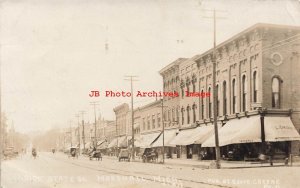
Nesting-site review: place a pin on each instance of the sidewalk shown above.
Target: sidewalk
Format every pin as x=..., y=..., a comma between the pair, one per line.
x=206, y=164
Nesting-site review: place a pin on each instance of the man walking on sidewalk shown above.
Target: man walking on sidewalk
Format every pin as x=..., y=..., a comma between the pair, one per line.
x=270, y=152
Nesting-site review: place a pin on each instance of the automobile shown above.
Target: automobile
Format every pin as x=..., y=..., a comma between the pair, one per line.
x=124, y=155
x=73, y=152
x=149, y=154
x=95, y=154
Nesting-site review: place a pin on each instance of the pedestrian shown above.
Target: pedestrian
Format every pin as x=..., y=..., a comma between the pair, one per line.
x=270, y=152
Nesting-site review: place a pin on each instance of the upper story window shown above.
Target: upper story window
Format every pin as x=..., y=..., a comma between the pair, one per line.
x=244, y=93
x=202, y=106
x=153, y=121
x=194, y=80
x=144, y=124
x=209, y=104
x=182, y=116
x=158, y=120
x=188, y=83
x=224, y=98
x=275, y=92
x=188, y=108
x=218, y=101
x=148, y=123
x=233, y=96
x=255, y=86
x=194, y=107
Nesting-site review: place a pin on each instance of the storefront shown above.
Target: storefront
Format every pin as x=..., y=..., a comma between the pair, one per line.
x=170, y=150
x=188, y=141
x=247, y=137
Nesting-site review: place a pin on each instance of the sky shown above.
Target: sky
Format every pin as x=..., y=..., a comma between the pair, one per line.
x=53, y=53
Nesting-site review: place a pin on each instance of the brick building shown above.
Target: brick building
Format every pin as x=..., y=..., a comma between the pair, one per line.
x=256, y=73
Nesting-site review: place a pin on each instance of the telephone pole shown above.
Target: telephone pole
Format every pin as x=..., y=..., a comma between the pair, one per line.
x=131, y=79
x=83, y=135
x=95, y=138
x=163, y=128
x=215, y=104
x=78, y=124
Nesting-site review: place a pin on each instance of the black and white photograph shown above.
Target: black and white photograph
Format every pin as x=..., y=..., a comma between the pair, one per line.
x=149, y=93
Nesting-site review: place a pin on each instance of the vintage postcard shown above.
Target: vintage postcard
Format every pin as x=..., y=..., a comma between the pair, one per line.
x=149, y=93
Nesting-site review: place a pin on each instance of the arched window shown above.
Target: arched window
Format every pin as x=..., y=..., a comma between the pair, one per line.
x=194, y=112
x=194, y=80
x=209, y=104
x=244, y=93
x=202, y=105
x=182, y=88
x=182, y=116
x=275, y=92
x=218, y=101
x=233, y=96
x=177, y=115
x=188, y=83
x=173, y=115
x=188, y=108
x=224, y=98
x=254, y=86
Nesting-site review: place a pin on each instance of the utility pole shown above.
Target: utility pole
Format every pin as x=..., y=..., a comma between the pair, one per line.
x=95, y=138
x=215, y=104
x=131, y=79
x=83, y=135
x=117, y=134
x=78, y=124
x=163, y=127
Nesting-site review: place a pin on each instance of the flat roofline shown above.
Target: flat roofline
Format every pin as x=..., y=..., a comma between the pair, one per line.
x=253, y=27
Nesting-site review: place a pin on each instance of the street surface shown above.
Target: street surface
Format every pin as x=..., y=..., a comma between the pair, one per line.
x=58, y=170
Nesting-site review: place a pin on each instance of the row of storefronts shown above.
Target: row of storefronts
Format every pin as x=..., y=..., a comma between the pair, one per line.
x=241, y=138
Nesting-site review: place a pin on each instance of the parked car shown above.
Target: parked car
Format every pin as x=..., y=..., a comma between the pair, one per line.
x=149, y=154
x=124, y=155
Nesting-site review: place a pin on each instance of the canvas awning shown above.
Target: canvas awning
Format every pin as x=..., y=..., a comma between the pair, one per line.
x=248, y=130
x=122, y=141
x=235, y=131
x=280, y=129
x=88, y=145
x=146, y=140
x=193, y=136
x=113, y=143
x=182, y=137
x=103, y=145
x=100, y=142
x=168, y=136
